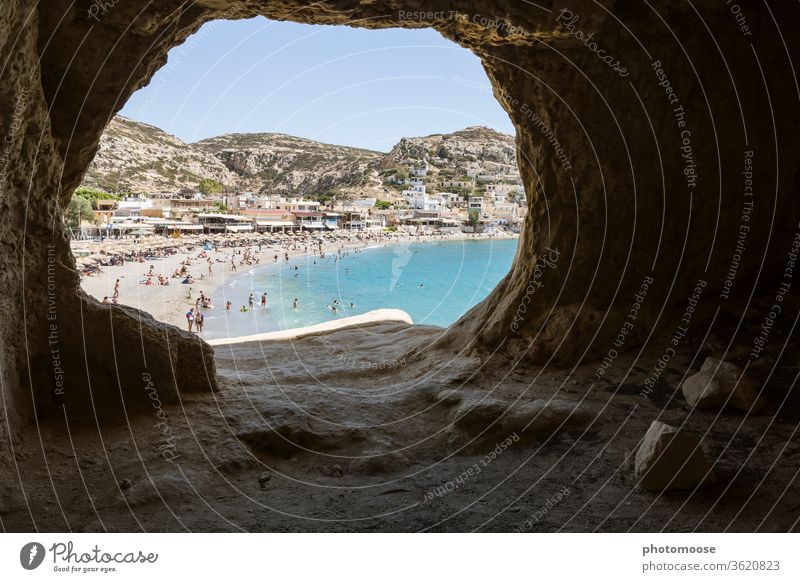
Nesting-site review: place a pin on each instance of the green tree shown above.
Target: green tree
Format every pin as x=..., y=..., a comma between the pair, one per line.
x=93, y=195
x=209, y=186
x=474, y=217
x=326, y=196
x=383, y=204
x=78, y=210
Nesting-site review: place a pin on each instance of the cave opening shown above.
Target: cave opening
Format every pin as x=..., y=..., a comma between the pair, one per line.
x=216, y=185
x=537, y=370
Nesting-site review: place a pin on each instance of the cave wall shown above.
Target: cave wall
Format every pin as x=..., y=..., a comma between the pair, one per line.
x=613, y=203
x=653, y=191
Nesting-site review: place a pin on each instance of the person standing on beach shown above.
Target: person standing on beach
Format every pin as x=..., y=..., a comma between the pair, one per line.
x=251, y=301
x=198, y=320
x=264, y=301
x=228, y=306
x=294, y=306
x=190, y=318
x=116, y=289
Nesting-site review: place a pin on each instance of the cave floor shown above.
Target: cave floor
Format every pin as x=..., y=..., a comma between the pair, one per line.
x=340, y=432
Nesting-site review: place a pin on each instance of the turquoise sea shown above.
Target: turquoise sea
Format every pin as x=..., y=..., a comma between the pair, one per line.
x=434, y=282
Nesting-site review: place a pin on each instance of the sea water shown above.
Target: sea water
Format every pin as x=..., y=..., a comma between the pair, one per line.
x=434, y=282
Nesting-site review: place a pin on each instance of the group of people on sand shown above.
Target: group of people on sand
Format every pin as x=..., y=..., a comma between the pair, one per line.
x=115, y=296
x=237, y=252
x=195, y=317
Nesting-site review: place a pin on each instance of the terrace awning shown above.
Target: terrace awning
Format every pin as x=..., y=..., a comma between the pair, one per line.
x=184, y=226
x=132, y=226
x=280, y=223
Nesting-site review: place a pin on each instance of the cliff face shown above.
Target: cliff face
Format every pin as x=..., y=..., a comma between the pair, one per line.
x=141, y=158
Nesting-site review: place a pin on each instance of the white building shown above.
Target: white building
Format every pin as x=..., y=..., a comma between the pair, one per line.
x=298, y=205
x=502, y=191
x=268, y=202
x=451, y=200
x=476, y=203
x=425, y=202
x=506, y=212
x=456, y=183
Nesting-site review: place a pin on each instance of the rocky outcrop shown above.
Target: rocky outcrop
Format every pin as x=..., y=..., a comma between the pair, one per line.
x=490, y=151
x=720, y=384
x=671, y=458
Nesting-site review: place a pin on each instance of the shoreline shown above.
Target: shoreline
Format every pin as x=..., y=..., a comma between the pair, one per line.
x=376, y=316
x=169, y=303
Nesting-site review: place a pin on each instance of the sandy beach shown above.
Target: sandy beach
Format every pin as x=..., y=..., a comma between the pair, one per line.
x=170, y=302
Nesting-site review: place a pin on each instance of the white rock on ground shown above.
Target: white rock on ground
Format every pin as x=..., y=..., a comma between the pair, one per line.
x=671, y=458
x=719, y=384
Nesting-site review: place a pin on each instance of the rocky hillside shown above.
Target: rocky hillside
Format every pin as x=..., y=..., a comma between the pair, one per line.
x=143, y=158
x=490, y=150
x=280, y=163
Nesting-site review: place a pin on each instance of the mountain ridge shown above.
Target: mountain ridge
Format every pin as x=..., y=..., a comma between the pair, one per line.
x=141, y=158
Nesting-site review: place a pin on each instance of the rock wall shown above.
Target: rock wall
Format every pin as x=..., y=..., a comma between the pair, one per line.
x=631, y=143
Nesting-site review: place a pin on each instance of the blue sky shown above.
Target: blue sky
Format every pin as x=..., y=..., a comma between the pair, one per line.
x=339, y=85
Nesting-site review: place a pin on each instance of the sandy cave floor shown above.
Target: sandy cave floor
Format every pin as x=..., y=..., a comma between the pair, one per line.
x=338, y=432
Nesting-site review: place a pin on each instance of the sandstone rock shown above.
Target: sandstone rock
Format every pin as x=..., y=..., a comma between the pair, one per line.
x=719, y=384
x=496, y=418
x=390, y=463
x=169, y=489
x=231, y=457
x=334, y=471
x=670, y=458
x=285, y=431
x=449, y=397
